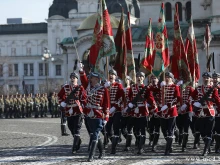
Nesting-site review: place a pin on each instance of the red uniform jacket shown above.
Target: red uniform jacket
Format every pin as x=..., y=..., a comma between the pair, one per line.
x=187, y=99
x=116, y=96
x=147, y=97
x=155, y=89
x=172, y=97
x=207, y=109
x=126, y=101
x=96, y=100
x=74, y=104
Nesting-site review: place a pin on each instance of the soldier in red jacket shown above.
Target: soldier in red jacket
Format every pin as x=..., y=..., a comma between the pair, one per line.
x=72, y=109
x=170, y=96
x=204, y=96
x=116, y=103
x=154, y=123
x=96, y=107
x=139, y=112
x=216, y=80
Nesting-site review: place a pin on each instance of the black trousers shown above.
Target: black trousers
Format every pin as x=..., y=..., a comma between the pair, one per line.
x=115, y=122
x=124, y=121
x=192, y=124
x=217, y=125
x=183, y=123
x=139, y=125
x=167, y=126
x=74, y=124
x=206, y=126
x=154, y=125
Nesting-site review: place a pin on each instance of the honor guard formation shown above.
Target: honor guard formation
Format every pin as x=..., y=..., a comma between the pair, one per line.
x=128, y=110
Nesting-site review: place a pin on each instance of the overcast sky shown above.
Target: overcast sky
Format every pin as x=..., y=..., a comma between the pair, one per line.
x=34, y=10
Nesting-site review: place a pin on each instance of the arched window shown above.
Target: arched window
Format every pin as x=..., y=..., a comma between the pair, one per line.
x=180, y=10
x=188, y=11
x=168, y=11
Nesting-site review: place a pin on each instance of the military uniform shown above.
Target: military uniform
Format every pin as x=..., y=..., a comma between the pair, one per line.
x=30, y=103
x=7, y=106
x=53, y=106
x=2, y=106
x=18, y=105
x=42, y=105
x=24, y=107
x=37, y=105
x=97, y=105
x=205, y=111
x=46, y=105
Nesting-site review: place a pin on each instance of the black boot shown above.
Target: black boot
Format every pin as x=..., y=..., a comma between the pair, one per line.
x=155, y=141
x=151, y=138
x=180, y=139
x=101, y=149
x=76, y=142
x=217, y=143
x=196, y=140
x=120, y=139
x=185, y=139
x=168, y=145
x=141, y=145
x=106, y=141
x=90, y=141
x=207, y=146
x=137, y=137
x=128, y=142
x=114, y=144
x=176, y=134
x=92, y=150
x=63, y=131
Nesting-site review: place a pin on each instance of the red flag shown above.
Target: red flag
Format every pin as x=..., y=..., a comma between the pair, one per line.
x=192, y=54
x=148, y=61
x=130, y=55
x=179, y=62
x=121, y=48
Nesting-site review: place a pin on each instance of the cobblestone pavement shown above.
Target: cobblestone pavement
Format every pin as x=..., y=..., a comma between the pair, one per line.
x=38, y=142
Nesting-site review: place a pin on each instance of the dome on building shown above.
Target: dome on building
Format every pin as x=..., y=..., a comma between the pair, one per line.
x=89, y=22
x=62, y=7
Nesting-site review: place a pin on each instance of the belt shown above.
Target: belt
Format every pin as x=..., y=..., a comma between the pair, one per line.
x=140, y=105
x=93, y=107
x=73, y=105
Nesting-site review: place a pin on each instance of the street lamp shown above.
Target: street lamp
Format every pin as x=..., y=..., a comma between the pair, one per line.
x=46, y=57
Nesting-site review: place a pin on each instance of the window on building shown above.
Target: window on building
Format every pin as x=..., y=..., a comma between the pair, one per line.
x=168, y=12
x=180, y=10
x=13, y=51
x=1, y=70
x=188, y=11
x=10, y=70
x=58, y=70
x=25, y=69
x=28, y=51
x=31, y=69
x=41, y=69
x=15, y=69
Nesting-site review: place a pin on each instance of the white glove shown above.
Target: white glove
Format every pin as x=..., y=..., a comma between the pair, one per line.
x=164, y=108
x=147, y=105
x=136, y=110
x=130, y=105
x=71, y=111
x=107, y=84
x=183, y=107
x=180, y=83
x=80, y=66
x=91, y=113
x=63, y=104
x=104, y=122
x=197, y=104
x=112, y=110
x=191, y=114
x=125, y=110
x=163, y=83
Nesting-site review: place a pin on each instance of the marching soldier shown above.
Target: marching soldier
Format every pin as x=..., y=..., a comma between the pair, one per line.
x=2, y=106
x=204, y=96
x=154, y=123
x=24, y=107
x=72, y=108
x=116, y=100
x=37, y=105
x=216, y=80
x=57, y=114
x=53, y=105
x=46, y=104
x=30, y=102
x=139, y=113
x=96, y=108
x=11, y=110
x=18, y=105
x=170, y=96
x=42, y=104
x=7, y=106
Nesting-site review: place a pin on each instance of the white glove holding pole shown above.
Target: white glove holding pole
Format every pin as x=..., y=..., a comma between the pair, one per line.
x=107, y=84
x=191, y=114
x=80, y=66
x=164, y=108
x=104, y=122
x=180, y=83
x=112, y=110
x=163, y=83
x=183, y=107
x=63, y=104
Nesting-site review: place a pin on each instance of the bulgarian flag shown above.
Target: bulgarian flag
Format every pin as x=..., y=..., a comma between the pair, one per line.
x=192, y=54
x=179, y=62
x=148, y=60
x=121, y=48
x=130, y=56
x=161, y=61
x=104, y=39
